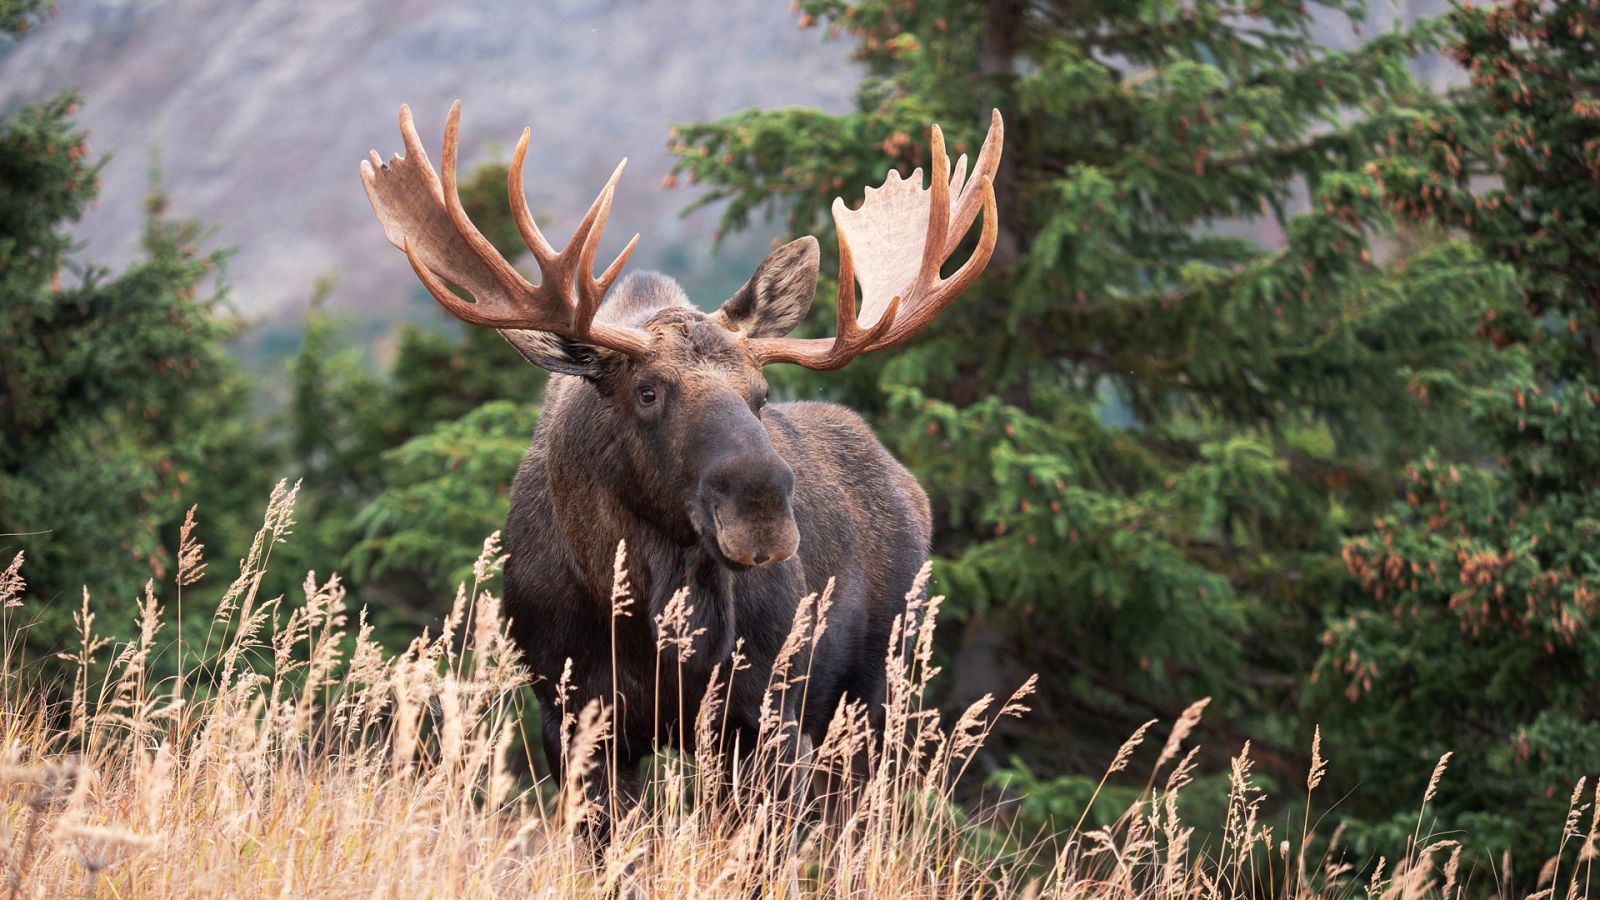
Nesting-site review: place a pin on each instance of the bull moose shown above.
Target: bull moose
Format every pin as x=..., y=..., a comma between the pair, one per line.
x=656, y=431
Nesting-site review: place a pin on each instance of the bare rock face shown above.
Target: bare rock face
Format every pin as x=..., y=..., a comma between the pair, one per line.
x=258, y=113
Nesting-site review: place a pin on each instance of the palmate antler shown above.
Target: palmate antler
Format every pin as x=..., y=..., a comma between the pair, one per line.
x=425, y=219
x=895, y=244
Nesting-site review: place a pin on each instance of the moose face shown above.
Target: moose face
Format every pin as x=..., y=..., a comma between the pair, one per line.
x=684, y=418
x=693, y=406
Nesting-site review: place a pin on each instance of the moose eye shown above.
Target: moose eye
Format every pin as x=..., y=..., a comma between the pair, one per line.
x=647, y=395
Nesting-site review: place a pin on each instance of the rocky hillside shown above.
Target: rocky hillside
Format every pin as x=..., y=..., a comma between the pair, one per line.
x=258, y=113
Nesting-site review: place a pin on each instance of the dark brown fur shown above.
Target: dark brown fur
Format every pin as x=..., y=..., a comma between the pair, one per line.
x=704, y=473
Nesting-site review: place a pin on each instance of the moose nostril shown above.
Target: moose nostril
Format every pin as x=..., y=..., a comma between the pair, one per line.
x=761, y=558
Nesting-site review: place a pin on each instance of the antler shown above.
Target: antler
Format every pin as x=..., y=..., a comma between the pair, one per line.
x=425, y=219
x=902, y=233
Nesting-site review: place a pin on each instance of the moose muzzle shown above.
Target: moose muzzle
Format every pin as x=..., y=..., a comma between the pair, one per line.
x=747, y=496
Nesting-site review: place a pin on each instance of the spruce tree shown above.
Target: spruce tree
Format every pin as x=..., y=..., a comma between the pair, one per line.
x=1477, y=632
x=117, y=408
x=1188, y=374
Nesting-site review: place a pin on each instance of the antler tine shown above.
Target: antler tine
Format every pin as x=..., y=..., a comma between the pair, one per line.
x=933, y=252
x=543, y=253
x=845, y=322
x=970, y=270
x=599, y=210
x=584, y=243
x=592, y=290
x=591, y=230
x=510, y=279
x=409, y=137
x=958, y=182
x=968, y=199
x=611, y=272
x=603, y=283
x=899, y=266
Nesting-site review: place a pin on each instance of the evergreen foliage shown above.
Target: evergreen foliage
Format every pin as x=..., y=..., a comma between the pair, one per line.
x=445, y=490
x=1194, y=365
x=120, y=409
x=1482, y=583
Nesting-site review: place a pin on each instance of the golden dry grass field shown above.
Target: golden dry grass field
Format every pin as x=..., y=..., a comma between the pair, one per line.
x=294, y=757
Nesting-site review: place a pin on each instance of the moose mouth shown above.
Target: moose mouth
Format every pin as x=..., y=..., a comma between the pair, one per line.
x=733, y=557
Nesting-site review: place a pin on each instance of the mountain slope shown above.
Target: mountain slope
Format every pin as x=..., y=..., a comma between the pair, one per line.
x=260, y=111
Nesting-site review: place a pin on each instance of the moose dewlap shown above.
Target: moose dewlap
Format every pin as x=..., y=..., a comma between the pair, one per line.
x=658, y=433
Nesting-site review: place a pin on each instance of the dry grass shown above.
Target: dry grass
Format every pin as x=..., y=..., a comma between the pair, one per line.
x=293, y=756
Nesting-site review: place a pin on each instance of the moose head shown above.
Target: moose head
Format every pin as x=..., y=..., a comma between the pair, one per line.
x=677, y=394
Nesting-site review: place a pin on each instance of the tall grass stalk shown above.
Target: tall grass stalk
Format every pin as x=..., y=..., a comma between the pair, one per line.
x=298, y=757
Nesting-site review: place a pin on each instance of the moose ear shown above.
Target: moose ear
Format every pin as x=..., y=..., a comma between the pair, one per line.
x=778, y=295
x=561, y=355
